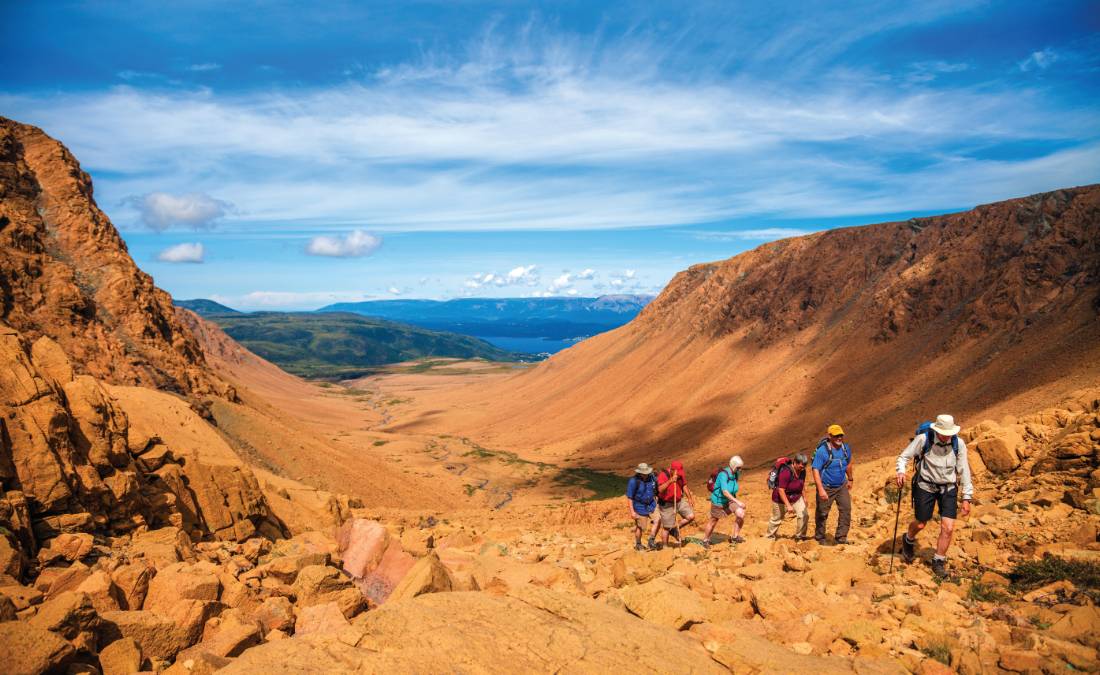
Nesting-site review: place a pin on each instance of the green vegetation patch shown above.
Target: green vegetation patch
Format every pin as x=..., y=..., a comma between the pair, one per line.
x=1083, y=574
x=940, y=651
x=980, y=592
x=602, y=484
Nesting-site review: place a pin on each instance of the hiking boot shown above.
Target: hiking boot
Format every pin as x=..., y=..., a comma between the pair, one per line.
x=737, y=540
x=908, y=549
x=841, y=541
x=638, y=546
x=652, y=544
x=705, y=544
x=674, y=533
x=939, y=568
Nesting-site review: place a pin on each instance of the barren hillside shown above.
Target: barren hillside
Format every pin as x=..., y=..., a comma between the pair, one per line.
x=992, y=311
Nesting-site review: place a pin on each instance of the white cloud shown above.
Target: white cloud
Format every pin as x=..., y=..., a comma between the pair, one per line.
x=291, y=299
x=572, y=291
x=394, y=290
x=161, y=210
x=636, y=142
x=587, y=274
x=204, y=67
x=1040, y=60
x=355, y=245
x=522, y=275
x=629, y=274
x=563, y=281
x=182, y=253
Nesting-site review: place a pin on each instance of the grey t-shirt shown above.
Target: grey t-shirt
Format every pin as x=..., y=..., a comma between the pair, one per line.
x=940, y=467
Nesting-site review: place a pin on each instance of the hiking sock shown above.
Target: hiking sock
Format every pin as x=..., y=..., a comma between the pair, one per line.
x=941, y=558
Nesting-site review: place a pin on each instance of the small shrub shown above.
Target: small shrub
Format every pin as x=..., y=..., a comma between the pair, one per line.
x=940, y=651
x=1083, y=574
x=980, y=592
x=380, y=443
x=1039, y=623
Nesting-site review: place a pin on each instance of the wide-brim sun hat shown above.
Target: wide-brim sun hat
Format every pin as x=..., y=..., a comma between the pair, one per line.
x=945, y=424
x=644, y=469
x=736, y=462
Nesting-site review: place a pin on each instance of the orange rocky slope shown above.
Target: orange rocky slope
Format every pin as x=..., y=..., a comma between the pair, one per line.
x=991, y=311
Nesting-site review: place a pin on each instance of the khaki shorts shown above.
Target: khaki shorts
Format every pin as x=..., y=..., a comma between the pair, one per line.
x=646, y=522
x=719, y=512
x=668, y=514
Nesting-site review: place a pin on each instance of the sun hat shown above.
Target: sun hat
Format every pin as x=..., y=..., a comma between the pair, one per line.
x=945, y=424
x=836, y=430
x=736, y=463
x=644, y=469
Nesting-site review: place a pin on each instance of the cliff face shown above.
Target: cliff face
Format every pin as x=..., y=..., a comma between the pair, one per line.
x=990, y=311
x=65, y=273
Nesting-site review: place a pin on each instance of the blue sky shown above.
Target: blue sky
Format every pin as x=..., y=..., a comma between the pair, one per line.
x=275, y=155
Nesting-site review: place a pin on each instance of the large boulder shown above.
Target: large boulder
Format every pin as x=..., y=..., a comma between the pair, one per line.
x=72, y=616
x=535, y=630
x=161, y=634
x=121, y=657
x=664, y=603
x=29, y=650
x=372, y=557
x=428, y=575
x=318, y=584
x=999, y=450
x=183, y=581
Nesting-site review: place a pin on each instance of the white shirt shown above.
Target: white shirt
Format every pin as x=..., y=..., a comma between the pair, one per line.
x=940, y=467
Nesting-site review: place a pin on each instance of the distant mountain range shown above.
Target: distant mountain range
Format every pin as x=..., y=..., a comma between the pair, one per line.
x=561, y=318
x=204, y=307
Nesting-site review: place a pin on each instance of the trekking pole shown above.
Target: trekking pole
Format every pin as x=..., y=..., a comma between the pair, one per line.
x=894, y=541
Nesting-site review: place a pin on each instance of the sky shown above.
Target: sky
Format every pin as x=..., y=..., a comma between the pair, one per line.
x=277, y=155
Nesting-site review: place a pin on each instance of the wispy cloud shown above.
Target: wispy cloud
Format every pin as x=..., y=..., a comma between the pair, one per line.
x=759, y=234
x=204, y=67
x=522, y=275
x=462, y=142
x=183, y=253
x=1040, y=60
x=357, y=244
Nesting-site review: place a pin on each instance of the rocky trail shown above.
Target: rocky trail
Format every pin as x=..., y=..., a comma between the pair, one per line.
x=560, y=588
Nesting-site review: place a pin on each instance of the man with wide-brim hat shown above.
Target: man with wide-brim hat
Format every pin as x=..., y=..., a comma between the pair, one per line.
x=941, y=471
x=641, y=493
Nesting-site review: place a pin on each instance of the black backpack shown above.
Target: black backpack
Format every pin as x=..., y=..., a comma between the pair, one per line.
x=925, y=429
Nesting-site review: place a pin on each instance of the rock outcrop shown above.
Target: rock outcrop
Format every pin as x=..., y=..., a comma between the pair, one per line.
x=65, y=273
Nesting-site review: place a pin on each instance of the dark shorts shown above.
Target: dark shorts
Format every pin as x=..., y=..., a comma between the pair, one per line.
x=924, y=503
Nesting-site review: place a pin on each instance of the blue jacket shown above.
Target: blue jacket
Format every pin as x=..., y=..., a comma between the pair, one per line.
x=643, y=493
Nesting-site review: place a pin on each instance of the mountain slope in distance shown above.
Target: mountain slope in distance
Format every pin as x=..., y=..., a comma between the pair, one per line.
x=204, y=307
x=989, y=311
x=340, y=345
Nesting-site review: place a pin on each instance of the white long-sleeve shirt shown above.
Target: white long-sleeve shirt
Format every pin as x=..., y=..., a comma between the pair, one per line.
x=940, y=467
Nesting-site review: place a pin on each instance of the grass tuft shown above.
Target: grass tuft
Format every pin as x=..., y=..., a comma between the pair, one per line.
x=940, y=651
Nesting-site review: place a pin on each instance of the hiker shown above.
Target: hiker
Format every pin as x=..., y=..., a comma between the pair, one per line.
x=941, y=467
x=787, y=497
x=724, y=501
x=833, y=475
x=641, y=492
x=674, y=499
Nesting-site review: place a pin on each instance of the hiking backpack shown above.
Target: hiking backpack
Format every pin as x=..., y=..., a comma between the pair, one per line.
x=713, y=480
x=773, y=475
x=925, y=429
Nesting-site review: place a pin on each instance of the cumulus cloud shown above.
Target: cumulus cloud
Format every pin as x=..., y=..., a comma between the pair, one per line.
x=394, y=290
x=161, y=210
x=357, y=244
x=563, y=281
x=522, y=275
x=182, y=253
x=587, y=274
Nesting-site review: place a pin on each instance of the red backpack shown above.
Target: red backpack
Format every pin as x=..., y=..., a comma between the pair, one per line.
x=773, y=475
x=713, y=480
